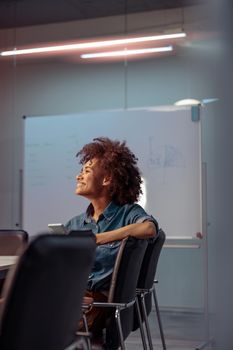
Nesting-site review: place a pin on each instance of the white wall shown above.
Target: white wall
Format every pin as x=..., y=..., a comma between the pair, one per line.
x=58, y=86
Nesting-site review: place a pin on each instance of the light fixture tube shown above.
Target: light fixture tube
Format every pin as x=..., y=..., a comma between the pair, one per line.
x=126, y=52
x=93, y=44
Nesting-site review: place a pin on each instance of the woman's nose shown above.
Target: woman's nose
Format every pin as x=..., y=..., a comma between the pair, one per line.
x=79, y=176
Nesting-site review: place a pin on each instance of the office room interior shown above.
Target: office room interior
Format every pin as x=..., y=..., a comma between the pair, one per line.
x=195, y=276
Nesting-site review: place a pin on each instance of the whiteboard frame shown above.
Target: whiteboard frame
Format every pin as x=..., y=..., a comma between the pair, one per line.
x=184, y=241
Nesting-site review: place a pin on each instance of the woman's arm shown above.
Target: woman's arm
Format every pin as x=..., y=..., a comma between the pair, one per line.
x=142, y=230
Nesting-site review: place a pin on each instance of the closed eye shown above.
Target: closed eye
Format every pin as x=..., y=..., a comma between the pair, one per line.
x=87, y=170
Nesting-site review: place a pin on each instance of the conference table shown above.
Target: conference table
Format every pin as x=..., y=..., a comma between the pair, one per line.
x=6, y=261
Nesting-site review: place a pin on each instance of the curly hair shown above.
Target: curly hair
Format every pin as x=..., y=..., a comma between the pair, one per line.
x=117, y=160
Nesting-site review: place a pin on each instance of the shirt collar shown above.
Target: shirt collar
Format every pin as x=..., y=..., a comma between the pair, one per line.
x=87, y=215
x=108, y=212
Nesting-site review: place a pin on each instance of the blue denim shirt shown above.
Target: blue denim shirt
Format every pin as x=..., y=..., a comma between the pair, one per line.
x=113, y=217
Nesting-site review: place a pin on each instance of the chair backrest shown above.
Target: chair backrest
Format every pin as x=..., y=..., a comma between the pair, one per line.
x=82, y=233
x=148, y=270
x=12, y=241
x=150, y=261
x=123, y=286
x=43, y=303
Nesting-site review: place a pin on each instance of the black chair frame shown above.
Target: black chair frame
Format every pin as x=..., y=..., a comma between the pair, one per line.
x=122, y=295
x=146, y=286
x=43, y=300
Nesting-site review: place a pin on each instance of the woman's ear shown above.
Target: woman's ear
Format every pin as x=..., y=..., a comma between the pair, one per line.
x=107, y=180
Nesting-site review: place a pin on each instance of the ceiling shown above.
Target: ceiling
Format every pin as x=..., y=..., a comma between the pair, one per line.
x=18, y=13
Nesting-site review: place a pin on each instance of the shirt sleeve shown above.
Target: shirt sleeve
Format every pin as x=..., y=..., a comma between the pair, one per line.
x=74, y=224
x=68, y=225
x=138, y=215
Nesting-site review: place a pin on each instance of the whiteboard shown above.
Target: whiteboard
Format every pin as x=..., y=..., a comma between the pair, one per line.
x=165, y=140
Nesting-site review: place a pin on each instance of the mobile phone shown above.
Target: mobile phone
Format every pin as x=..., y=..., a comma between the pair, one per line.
x=58, y=228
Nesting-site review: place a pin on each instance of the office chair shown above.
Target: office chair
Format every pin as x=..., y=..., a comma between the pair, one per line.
x=12, y=241
x=122, y=293
x=87, y=302
x=43, y=300
x=82, y=233
x=146, y=286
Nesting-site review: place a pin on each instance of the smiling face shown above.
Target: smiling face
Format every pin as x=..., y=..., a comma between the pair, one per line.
x=91, y=182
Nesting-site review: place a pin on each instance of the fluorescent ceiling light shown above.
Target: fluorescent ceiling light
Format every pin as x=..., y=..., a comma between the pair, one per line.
x=126, y=52
x=93, y=44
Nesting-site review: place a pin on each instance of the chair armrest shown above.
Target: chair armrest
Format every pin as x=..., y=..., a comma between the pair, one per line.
x=107, y=304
